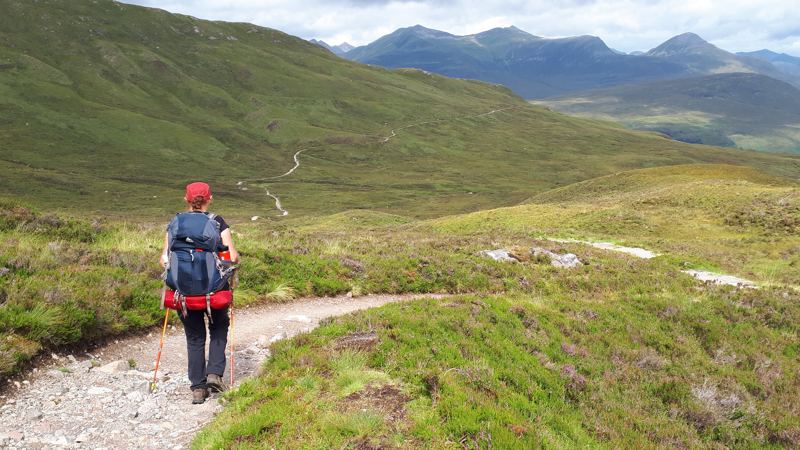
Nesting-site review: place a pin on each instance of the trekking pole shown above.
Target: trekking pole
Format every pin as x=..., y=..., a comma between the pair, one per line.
x=232, y=346
x=160, y=347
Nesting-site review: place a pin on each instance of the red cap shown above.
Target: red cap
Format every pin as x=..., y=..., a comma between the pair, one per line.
x=198, y=189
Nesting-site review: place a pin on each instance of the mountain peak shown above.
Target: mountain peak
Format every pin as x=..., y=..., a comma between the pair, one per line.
x=688, y=38
x=680, y=44
x=421, y=31
x=502, y=35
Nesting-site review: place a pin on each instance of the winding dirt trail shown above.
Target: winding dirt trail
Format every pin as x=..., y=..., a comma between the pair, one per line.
x=383, y=140
x=98, y=401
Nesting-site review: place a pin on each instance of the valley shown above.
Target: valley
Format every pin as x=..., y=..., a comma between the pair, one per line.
x=426, y=262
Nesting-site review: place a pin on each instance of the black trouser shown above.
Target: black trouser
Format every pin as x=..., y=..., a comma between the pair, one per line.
x=194, y=324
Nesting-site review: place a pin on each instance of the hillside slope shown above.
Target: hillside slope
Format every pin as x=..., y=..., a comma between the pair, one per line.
x=618, y=352
x=736, y=109
x=787, y=64
x=109, y=107
x=728, y=219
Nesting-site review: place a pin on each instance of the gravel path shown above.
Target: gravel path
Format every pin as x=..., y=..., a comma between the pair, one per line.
x=98, y=401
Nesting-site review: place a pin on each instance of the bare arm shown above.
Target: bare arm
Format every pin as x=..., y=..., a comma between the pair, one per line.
x=227, y=240
x=165, y=251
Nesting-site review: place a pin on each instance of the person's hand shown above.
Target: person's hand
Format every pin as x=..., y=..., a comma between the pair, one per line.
x=164, y=261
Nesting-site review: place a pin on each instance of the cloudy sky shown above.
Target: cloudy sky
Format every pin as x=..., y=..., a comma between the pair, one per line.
x=624, y=24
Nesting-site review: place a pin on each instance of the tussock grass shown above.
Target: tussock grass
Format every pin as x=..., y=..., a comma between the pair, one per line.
x=59, y=286
x=716, y=217
x=659, y=363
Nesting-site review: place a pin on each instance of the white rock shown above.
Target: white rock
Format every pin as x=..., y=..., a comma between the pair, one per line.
x=135, y=396
x=254, y=218
x=142, y=386
x=299, y=318
x=633, y=251
x=117, y=366
x=716, y=278
x=98, y=390
x=565, y=261
x=278, y=337
x=500, y=254
x=263, y=341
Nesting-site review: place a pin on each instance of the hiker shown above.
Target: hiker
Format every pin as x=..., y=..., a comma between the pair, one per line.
x=180, y=258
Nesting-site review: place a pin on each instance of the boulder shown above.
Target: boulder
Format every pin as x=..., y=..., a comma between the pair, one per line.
x=117, y=366
x=500, y=254
x=278, y=337
x=562, y=261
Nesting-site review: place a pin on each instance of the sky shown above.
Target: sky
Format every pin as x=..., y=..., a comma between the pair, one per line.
x=625, y=25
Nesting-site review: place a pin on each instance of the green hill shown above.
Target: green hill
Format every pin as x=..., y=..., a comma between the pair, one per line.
x=737, y=109
x=108, y=107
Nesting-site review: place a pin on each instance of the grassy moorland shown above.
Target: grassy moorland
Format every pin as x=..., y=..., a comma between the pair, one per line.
x=619, y=352
x=744, y=110
x=67, y=281
x=103, y=105
x=722, y=218
x=637, y=358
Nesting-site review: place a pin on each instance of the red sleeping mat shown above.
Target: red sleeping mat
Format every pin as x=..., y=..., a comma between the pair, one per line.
x=219, y=300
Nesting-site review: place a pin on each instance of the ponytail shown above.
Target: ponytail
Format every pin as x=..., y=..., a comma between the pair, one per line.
x=198, y=202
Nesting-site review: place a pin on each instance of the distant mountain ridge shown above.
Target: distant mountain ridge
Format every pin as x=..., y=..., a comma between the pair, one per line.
x=340, y=49
x=532, y=66
x=783, y=62
x=537, y=67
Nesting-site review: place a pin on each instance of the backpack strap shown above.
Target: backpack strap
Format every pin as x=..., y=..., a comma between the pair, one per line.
x=208, y=308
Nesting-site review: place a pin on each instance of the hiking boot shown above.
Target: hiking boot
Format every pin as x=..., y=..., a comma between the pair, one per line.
x=199, y=396
x=215, y=384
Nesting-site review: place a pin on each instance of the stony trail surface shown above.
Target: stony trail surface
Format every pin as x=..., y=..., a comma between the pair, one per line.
x=98, y=401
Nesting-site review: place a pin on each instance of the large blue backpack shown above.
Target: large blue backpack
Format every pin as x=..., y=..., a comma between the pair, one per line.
x=194, y=267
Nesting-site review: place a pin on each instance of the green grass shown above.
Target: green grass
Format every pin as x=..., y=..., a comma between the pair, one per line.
x=650, y=361
x=742, y=110
x=72, y=281
x=723, y=218
x=617, y=353
x=105, y=106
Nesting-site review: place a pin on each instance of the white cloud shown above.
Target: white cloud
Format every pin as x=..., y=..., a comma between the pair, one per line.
x=624, y=24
